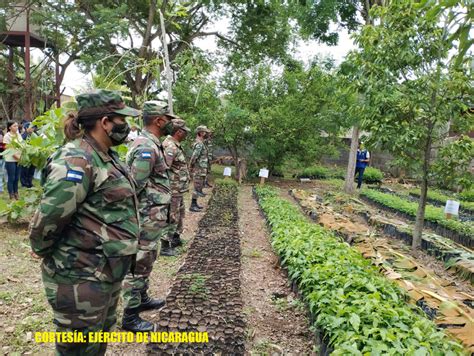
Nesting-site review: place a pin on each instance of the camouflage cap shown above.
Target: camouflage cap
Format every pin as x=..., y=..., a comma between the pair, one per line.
x=180, y=124
x=102, y=102
x=202, y=128
x=157, y=108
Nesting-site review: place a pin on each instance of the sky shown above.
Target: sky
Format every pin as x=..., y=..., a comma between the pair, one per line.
x=75, y=80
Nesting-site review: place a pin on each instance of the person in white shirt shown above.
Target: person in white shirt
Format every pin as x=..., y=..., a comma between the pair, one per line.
x=133, y=134
x=12, y=158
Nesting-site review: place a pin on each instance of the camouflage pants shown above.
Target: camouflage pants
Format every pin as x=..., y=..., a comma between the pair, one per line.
x=155, y=226
x=84, y=306
x=198, y=181
x=177, y=213
x=208, y=175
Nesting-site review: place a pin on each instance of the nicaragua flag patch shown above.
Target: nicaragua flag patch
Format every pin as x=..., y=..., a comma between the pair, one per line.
x=146, y=155
x=74, y=176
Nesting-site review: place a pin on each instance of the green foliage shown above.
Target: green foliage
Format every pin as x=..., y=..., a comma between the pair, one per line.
x=467, y=195
x=49, y=136
x=270, y=118
x=322, y=172
x=452, y=168
x=226, y=186
x=373, y=175
x=35, y=151
x=226, y=182
x=433, y=214
x=360, y=311
x=442, y=198
x=316, y=17
x=399, y=59
x=315, y=172
x=21, y=210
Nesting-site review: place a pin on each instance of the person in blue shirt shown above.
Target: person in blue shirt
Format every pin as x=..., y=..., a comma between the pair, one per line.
x=363, y=157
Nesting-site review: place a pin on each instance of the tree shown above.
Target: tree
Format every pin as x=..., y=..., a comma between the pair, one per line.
x=315, y=19
x=414, y=87
x=271, y=117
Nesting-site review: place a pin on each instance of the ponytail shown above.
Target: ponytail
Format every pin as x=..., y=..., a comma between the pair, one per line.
x=72, y=129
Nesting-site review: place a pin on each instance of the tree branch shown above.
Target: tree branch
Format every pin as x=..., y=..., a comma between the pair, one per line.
x=217, y=34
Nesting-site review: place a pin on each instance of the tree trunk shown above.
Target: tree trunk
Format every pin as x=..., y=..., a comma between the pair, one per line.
x=235, y=156
x=349, y=182
x=11, y=85
x=420, y=214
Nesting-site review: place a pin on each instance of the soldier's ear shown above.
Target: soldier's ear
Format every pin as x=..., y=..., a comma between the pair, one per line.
x=105, y=123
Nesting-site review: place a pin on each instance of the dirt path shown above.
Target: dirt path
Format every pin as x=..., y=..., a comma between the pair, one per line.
x=276, y=319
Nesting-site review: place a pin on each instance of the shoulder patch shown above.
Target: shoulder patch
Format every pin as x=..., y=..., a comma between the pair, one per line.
x=146, y=155
x=74, y=176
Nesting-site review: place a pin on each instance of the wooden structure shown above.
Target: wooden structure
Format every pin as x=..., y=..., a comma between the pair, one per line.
x=22, y=33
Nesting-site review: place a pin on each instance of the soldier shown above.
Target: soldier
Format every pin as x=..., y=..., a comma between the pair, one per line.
x=86, y=226
x=148, y=166
x=179, y=176
x=198, y=166
x=210, y=156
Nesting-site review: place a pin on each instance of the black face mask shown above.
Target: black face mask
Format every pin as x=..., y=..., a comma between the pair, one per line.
x=119, y=133
x=167, y=129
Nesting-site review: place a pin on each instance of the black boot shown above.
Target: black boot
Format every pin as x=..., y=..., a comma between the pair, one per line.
x=148, y=303
x=131, y=321
x=166, y=249
x=194, y=206
x=176, y=240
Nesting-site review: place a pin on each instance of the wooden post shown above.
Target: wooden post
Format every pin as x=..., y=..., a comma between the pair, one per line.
x=166, y=59
x=262, y=180
x=28, y=98
x=57, y=88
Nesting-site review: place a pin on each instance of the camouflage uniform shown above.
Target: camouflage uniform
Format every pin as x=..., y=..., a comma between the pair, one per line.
x=179, y=176
x=86, y=229
x=209, y=164
x=199, y=163
x=148, y=166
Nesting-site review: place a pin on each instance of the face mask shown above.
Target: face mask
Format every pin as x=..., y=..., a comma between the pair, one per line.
x=167, y=129
x=119, y=133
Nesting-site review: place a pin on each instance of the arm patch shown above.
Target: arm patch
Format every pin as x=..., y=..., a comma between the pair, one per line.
x=74, y=176
x=145, y=155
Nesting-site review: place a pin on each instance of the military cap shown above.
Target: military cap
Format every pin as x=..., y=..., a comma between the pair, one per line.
x=157, y=108
x=180, y=124
x=102, y=102
x=202, y=128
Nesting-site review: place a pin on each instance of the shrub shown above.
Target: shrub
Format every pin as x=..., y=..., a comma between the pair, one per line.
x=373, y=175
x=359, y=311
x=315, y=172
